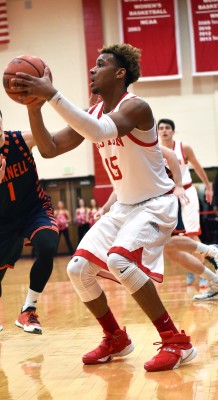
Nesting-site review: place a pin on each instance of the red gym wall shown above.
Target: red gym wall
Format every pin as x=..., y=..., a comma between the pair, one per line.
x=94, y=41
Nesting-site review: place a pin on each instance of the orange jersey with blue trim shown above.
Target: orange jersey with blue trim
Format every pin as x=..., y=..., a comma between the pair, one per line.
x=20, y=191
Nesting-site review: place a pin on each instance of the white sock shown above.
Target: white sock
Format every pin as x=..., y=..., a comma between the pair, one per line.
x=209, y=275
x=201, y=248
x=31, y=299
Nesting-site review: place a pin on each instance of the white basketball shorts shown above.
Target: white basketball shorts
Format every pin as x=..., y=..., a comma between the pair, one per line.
x=190, y=213
x=137, y=232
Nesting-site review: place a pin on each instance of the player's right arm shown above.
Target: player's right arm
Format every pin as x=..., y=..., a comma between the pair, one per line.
x=191, y=157
x=52, y=145
x=2, y=135
x=2, y=138
x=173, y=164
x=2, y=167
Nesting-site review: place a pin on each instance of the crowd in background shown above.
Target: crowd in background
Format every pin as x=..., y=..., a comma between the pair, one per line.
x=84, y=218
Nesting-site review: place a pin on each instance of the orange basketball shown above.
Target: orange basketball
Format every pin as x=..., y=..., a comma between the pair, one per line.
x=30, y=65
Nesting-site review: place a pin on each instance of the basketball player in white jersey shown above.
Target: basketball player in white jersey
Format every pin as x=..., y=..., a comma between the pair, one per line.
x=186, y=156
x=128, y=241
x=181, y=249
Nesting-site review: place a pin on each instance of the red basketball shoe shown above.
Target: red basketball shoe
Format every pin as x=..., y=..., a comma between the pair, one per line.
x=117, y=344
x=175, y=349
x=28, y=321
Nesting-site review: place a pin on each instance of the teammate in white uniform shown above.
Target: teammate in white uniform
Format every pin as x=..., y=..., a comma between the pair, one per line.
x=185, y=155
x=128, y=241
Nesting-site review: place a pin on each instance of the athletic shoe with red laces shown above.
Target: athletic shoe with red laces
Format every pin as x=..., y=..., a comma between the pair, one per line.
x=117, y=344
x=175, y=349
x=28, y=321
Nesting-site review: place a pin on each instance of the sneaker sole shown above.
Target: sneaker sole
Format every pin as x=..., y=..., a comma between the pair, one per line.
x=186, y=359
x=99, y=361
x=35, y=330
x=213, y=297
x=128, y=349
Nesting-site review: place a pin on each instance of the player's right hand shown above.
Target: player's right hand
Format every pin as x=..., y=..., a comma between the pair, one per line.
x=94, y=99
x=35, y=105
x=180, y=193
x=98, y=214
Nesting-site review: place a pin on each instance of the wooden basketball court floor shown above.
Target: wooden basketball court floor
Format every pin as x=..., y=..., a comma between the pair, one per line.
x=49, y=366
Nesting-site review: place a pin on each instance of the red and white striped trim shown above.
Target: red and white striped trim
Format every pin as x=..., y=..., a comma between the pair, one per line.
x=4, y=28
x=140, y=143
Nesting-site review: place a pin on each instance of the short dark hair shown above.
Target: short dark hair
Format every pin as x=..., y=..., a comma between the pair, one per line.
x=127, y=57
x=168, y=122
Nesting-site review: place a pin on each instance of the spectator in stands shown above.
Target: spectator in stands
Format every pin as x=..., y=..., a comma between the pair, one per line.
x=92, y=211
x=81, y=219
x=63, y=219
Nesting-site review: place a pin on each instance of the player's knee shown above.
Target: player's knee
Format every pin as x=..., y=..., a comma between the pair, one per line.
x=117, y=263
x=73, y=268
x=46, y=251
x=127, y=272
x=171, y=250
x=171, y=244
x=82, y=274
x=45, y=243
x=78, y=268
x=120, y=266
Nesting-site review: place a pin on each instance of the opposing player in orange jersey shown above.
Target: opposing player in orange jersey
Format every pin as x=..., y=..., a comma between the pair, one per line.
x=128, y=241
x=25, y=212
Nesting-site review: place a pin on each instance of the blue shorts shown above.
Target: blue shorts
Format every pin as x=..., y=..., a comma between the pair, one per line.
x=12, y=233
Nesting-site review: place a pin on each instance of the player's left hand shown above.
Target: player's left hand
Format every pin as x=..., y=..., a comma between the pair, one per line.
x=2, y=167
x=179, y=191
x=32, y=86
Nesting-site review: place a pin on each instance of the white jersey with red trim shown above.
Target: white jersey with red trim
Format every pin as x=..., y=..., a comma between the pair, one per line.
x=134, y=162
x=184, y=167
